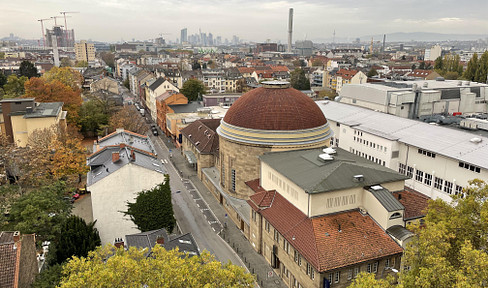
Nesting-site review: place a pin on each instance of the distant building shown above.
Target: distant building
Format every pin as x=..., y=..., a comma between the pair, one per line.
x=304, y=48
x=184, y=36
x=85, y=51
x=432, y=53
x=62, y=40
x=265, y=47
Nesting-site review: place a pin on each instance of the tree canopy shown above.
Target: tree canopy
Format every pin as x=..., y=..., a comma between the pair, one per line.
x=129, y=119
x=298, y=80
x=28, y=69
x=192, y=88
x=153, y=209
x=77, y=238
x=94, y=117
x=14, y=87
x=372, y=72
x=449, y=66
x=111, y=267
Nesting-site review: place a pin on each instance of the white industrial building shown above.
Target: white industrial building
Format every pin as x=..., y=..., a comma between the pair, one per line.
x=413, y=99
x=439, y=160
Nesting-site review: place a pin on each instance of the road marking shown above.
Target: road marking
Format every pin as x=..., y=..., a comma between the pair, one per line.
x=204, y=209
x=196, y=199
x=212, y=222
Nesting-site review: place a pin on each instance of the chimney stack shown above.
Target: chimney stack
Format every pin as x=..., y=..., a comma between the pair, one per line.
x=119, y=243
x=290, y=29
x=160, y=240
x=16, y=236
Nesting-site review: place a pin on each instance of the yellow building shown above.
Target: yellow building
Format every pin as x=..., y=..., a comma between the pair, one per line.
x=85, y=51
x=22, y=116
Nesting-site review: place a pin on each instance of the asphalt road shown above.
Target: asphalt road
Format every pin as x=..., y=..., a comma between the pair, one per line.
x=192, y=213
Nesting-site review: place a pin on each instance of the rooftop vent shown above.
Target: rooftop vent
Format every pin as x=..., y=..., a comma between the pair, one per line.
x=358, y=178
x=439, y=79
x=329, y=150
x=376, y=187
x=326, y=157
x=425, y=85
x=467, y=83
x=363, y=210
x=460, y=83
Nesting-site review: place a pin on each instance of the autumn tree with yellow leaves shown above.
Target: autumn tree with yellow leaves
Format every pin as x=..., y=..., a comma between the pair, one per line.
x=111, y=267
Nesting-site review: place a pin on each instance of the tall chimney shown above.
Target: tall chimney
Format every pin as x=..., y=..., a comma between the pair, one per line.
x=290, y=29
x=384, y=43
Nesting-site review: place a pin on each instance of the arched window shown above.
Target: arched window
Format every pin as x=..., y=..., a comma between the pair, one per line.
x=395, y=215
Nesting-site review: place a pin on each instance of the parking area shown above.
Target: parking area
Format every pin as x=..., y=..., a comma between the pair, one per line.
x=202, y=205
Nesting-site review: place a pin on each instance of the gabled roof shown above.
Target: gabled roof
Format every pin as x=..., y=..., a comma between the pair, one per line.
x=202, y=135
x=313, y=175
x=157, y=83
x=185, y=242
x=327, y=242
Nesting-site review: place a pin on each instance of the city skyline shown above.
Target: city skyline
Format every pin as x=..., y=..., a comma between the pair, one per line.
x=116, y=20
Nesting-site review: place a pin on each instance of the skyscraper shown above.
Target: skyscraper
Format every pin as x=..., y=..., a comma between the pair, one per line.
x=184, y=35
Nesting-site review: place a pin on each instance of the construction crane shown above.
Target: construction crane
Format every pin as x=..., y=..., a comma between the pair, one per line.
x=56, y=17
x=66, y=24
x=42, y=31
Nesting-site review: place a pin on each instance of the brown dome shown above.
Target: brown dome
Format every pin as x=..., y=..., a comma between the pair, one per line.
x=267, y=108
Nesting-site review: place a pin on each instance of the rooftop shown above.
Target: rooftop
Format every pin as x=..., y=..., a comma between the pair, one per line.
x=51, y=109
x=314, y=175
x=415, y=203
x=452, y=143
x=327, y=242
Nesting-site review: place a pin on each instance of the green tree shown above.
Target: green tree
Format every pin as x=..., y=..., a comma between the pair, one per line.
x=372, y=72
x=77, y=238
x=2, y=55
x=81, y=64
x=3, y=79
x=126, y=83
x=65, y=62
x=439, y=63
x=111, y=267
x=14, y=87
x=153, y=209
x=368, y=280
x=49, y=278
x=298, y=80
x=41, y=211
x=28, y=69
x=470, y=71
x=192, y=89
x=450, y=249
x=94, y=117
x=108, y=58
x=422, y=65
x=482, y=71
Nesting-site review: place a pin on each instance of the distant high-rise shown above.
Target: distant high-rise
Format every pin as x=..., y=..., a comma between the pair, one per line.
x=85, y=51
x=290, y=29
x=60, y=34
x=184, y=35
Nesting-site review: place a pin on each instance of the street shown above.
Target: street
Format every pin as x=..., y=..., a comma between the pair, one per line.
x=192, y=213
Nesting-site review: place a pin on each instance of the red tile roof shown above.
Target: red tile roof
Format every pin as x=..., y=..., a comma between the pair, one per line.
x=414, y=202
x=254, y=185
x=8, y=259
x=327, y=242
x=346, y=74
x=204, y=133
x=275, y=109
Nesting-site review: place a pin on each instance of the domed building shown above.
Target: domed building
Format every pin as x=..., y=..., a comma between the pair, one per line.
x=274, y=117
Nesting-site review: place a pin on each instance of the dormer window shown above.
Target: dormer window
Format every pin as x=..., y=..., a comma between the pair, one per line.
x=396, y=215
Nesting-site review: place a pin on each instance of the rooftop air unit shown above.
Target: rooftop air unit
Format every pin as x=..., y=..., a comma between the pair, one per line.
x=326, y=157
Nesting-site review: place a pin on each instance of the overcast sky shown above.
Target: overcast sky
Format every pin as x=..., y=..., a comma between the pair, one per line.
x=114, y=20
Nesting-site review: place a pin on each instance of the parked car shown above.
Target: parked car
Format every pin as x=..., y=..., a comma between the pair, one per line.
x=154, y=130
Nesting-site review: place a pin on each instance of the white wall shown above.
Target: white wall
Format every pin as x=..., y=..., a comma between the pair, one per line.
x=109, y=196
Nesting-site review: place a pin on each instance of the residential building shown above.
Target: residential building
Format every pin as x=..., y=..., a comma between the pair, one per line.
x=155, y=89
x=85, y=51
x=413, y=99
x=18, y=261
x=122, y=165
x=162, y=106
x=419, y=74
x=22, y=116
x=344, y=77
x=432, y=53
x=106, y=84
x=439, y=161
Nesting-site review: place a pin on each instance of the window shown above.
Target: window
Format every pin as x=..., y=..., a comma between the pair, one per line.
x=223, y=173
x=375, y=267
x=299, y=260
x=276, y=236
x=448, y=187
x=419, y=176
x=285, y=271
x=428, y=179
x=233, y=179
x=409, y=171
x=438, y=183
x=349, y=274
x=337, y=277
x=331, y=276
x=254, y=215
x=401, y=168
x=312, y=274
x=459, y=189
x=426, y=153
x=356, y=271
x=266, y=225
x=470, y=167
x=396, y=215
x=309, y=269
x=387, y=263
x=286, y=246
x=368, y=269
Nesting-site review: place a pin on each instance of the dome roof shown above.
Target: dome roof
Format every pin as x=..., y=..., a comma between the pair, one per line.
x=275, y=106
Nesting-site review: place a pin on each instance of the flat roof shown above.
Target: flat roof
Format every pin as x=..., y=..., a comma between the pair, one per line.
x=444, y=141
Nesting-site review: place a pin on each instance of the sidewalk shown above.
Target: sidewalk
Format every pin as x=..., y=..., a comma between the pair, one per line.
x=255, y=262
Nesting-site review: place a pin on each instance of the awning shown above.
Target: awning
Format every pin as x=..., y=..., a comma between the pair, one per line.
x=190, y=157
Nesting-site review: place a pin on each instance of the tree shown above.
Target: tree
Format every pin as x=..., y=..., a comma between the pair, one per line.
x=55, y=91
x=368, y=280
x=422, y=65
x=28, y=69
x=470, y=71
x=40, y=211
x=109, y=59
x=111, y=267
x=76, y=239
x=298, y=80
x=439, y=64
x=153, y=209
x=192, y=89
x=329, y=93
x=81, y=64
x=126, y=83
x=482, y=71
x=317, y=62
x=49, y=278
x=129, y=119
x=94, y=117
x=372, y=72
x=69, y=154
x=450, y=249
x=14, y=87
x=196, y=66
x=3, y=79
x=66, y=75
x=65, y=62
